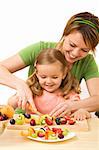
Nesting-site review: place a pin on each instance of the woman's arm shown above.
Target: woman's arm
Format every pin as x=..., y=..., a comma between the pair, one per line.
x=91, y=103
x=9, y=66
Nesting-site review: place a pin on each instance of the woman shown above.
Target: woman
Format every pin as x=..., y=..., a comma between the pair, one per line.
x=80, y=36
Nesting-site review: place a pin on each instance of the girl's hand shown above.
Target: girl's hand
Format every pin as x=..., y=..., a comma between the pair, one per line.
x=61, y=109
x=25, y=95
x=81, y=114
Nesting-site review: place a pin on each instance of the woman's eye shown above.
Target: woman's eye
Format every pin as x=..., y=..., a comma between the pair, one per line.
x=86, y=51
x=72, y=45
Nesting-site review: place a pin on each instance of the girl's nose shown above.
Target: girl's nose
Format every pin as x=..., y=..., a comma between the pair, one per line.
x=48, y=80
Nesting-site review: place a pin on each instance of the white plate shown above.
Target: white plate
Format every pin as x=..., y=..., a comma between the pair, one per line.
x=69, y=136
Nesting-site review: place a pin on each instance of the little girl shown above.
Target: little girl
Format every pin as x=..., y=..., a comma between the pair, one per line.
x=52, y=83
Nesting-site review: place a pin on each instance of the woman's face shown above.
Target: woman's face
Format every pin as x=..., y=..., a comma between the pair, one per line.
x=74, y=47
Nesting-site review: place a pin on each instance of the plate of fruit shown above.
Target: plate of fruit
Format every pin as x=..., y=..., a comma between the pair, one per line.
x=48, y=134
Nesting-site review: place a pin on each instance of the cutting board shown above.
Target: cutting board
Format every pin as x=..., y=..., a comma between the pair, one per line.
x=78, y=126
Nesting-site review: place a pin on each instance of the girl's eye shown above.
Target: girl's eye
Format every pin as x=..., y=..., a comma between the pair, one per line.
x=43, y=77
x=55, y=77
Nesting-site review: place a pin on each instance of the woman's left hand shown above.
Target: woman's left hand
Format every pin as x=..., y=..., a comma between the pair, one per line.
x=61, y=109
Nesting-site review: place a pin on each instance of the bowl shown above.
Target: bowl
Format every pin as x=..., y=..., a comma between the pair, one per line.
x=3, y=125
x=6, y=112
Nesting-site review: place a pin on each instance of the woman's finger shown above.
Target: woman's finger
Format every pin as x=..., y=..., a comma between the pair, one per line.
x=60, y=110
x=57, y=108
x=33, y=107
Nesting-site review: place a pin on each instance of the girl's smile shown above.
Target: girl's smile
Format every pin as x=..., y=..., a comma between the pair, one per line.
x=50, y=76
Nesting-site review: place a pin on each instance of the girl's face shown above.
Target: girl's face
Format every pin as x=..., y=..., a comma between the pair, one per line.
x=50, y=76
x=74, y=47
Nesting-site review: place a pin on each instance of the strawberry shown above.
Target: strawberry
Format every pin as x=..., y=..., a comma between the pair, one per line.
x=41, y=134
x=49, y=121
x=67, y=117
x=63, y=120
x=57, y=130
x=46, y=128
x=71, y=122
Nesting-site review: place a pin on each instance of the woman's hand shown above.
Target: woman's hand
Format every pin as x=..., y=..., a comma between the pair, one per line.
x=61, y=109
x=25, y=95
x=81, y=114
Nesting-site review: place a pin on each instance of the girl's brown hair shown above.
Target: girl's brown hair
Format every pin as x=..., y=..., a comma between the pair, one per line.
x=49, y=56
x=87, y=24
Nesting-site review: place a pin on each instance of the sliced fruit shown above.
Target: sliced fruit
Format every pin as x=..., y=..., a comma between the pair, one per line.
x=12, y=121
x=30, y=131
x=7, y=110
x=24, y=133
x=67, y=117
x=71, y=122
x=36, y=118
x=41, y=133
x=52, y=137
x=60, y=136
x=49, y=121
x=63, y=120
x=19, y=111
x=20, y=120
x=34, y=135
x=57, y=120
x=32, y=122
x=65, y=132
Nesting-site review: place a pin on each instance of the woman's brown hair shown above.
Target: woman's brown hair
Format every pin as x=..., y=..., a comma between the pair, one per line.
x=87, y=24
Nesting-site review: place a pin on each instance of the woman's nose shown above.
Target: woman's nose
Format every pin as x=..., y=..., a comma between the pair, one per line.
x=76, y=52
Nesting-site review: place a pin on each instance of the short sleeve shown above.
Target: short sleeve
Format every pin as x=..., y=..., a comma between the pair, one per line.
x=85, y=68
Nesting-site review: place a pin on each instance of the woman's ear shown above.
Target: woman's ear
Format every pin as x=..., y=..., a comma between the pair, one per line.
x=65, y=72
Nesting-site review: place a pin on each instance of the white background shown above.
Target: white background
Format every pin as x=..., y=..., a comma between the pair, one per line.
x=24, y=22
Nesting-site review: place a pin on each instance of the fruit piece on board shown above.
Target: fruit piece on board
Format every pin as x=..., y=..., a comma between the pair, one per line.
x=63, y=120
x=27, y=118
x=42, y=119
x=36, y=118
x=19, y=111
x=49, y=121
x=67, y=117
x=32, y=122
x=57, y=120
x=20, y=120
x=12, y=121
x=71, y=122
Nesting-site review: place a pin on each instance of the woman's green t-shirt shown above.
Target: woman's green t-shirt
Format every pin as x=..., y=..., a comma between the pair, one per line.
x=85, y=68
